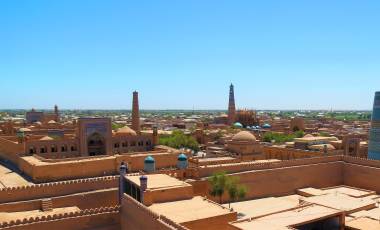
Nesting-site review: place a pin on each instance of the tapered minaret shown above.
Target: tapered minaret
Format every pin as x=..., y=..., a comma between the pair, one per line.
x=135, y=112
x=231, y=106
x=56, y=112
x=374, y=133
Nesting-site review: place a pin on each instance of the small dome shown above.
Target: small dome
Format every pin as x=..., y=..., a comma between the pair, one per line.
x=244, y=136
x=46, y=138
x=24, y=130
x=182, y=157
x=126, y=131
x=52, y=122
x=149, y=159
x=238, y=125
x=308, y=136
x=267, y=126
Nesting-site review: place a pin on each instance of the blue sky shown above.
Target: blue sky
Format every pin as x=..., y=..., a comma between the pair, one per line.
x=184, y=54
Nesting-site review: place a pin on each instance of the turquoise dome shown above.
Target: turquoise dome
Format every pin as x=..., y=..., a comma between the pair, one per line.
x=238, y=125
x=149, y=159
x=267, y=126
x=182, y=157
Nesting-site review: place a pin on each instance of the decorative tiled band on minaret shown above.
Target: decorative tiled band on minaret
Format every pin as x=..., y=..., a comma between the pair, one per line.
x=135, y=112
x=374, y=133
x=231, y=106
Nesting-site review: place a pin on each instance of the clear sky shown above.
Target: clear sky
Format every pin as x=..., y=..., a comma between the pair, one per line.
x=184, y=54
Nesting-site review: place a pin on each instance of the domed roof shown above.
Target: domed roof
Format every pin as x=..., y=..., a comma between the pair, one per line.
x=182, y=157
x=24, y=130
x=238, y=125
x=308, y=136
x=126, y=131
x=149, y=159
x=244, y=136
x=52, y=122
x=266, y=125
x=46, y=138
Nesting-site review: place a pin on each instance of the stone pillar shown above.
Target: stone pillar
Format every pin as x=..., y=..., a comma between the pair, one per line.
x=123, y=171
x=135, y=112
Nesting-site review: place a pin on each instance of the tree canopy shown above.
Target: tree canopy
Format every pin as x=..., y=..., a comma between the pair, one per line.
x=179, y=140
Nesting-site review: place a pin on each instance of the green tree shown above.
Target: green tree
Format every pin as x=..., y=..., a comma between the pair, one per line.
x=179, y=140
x=220, y=183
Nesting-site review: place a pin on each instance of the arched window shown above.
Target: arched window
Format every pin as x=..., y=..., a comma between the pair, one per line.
x=148, y=143
x=43, y=149
x=133, y=143
x=64, y=148
x=32, y=150
x=124, y=144
x=117, y=145
x=54, y=149
x=73, y=148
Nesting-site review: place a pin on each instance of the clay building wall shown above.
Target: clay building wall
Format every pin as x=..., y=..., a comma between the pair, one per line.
x=132, y=212
x=283, y=180
x=57, y=188
x=104, y=217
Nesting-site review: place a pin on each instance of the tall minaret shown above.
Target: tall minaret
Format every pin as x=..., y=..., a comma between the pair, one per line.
x=231, y=106
x=374, y=133
x=56, y=112
x=135, y=112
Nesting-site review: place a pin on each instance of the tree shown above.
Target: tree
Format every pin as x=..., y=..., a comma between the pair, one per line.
x=220, y=183
x=179, y=140
x=235, y=190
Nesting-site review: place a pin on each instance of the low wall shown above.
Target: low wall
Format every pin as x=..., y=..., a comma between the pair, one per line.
x=85, y=219
x=87, y=200
x=41, y=171
x=206, y=171
x=53, y=189
x=282, y=180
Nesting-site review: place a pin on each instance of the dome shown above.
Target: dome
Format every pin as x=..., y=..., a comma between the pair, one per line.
x=266, y=126
x=126, y=131
x=308, y=136
x=149, y=159
x=46, y=138
x=238, y=125
x=244, y=136
x=24, y=130
x=52, y=122
x=182, y=157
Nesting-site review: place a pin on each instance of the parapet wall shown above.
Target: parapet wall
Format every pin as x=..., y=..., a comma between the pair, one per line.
x=83, y=219
x=206, y=171
x=38, y=191
x=9, y=150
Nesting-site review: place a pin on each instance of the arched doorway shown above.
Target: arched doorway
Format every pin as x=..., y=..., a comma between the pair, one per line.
x=96, y=144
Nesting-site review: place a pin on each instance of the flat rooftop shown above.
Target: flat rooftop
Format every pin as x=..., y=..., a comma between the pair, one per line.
x=158, y=181
x=9, y=178
x=261, y=207
x=342, y=202
x=350, y=191
x=193, y=209
x=363, y=223
x=290, y=218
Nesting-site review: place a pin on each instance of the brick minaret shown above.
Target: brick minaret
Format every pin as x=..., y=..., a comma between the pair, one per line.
x=135, y=112
x=56, y=112
x=231, y=106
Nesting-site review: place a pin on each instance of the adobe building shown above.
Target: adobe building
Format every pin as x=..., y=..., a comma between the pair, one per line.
x=245, y=146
